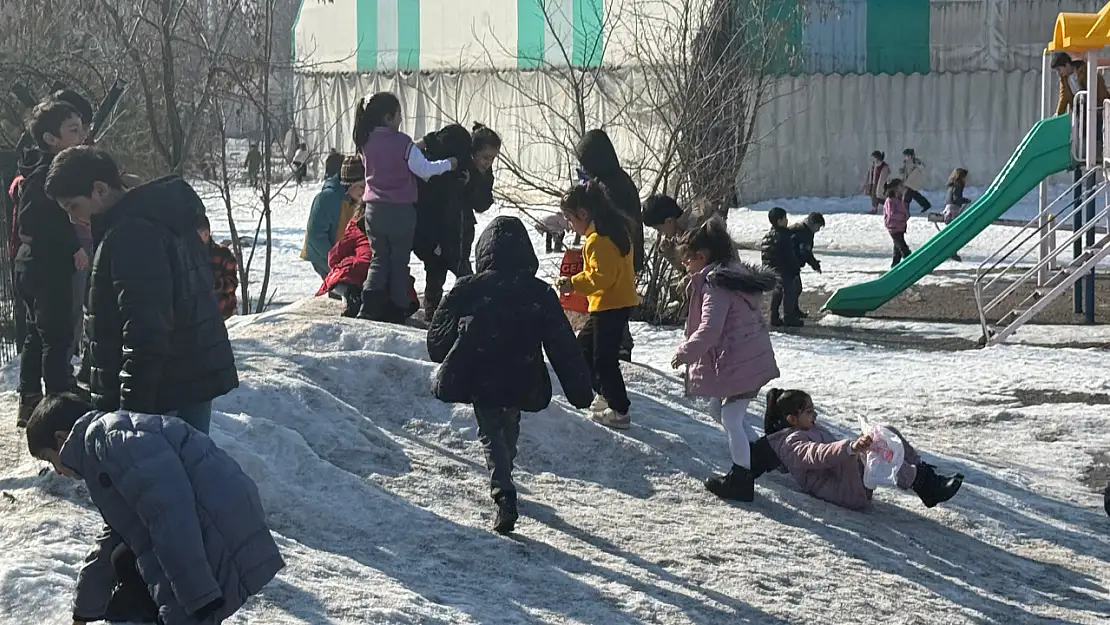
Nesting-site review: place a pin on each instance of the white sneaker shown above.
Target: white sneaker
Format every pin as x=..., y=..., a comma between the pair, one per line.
x=612, y=419
x=599, y=404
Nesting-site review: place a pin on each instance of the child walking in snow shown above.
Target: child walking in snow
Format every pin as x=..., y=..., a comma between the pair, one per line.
x=830, y=468
x=954, y=201
x=391, y=159
x=875, y=185
x=488, y=333
x=727, y=352
x=778, y=252
x=187, y=523
x=896, y=218
x=913, y=178
x=608, y=280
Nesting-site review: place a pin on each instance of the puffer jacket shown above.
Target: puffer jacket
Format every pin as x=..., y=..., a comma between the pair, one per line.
x=444, y=215
x=607, y=279
x=728, y=345
x=48, y=240
x=185, y=508
x=323, y=217
x=598, y=159
x=777, y=251
x=489, y=330
x=157, y=340
x=825, y=467
x=802, y=235
x=896, y=215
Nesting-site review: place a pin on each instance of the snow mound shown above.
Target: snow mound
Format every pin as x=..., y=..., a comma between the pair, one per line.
x=377, y=493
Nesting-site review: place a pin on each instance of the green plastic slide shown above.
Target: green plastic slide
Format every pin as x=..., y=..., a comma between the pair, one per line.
x=1046, y=150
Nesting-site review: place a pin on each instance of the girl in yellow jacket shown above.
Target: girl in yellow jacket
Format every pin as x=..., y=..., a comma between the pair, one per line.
x=608, y=280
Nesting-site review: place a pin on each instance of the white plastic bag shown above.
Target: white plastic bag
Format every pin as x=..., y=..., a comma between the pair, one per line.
x=883, y=460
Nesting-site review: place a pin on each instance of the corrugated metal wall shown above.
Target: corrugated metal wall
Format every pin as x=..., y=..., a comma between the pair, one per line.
x=817, y=131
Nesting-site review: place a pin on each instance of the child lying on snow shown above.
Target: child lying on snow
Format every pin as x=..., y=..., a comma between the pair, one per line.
x=488, y=333
x=348, y=264
x=151, y=477
x=831, y=469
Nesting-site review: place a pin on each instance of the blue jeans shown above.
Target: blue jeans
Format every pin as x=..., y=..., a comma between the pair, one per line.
x=197, y=415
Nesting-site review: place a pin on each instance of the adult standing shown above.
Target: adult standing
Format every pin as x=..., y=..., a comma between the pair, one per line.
x=875, y=184
x=447, y=205
x=157, y=340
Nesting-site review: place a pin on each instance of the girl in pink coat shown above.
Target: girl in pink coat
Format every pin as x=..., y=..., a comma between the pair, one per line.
x=896, y=218
x=727, y=352
x=831, y=468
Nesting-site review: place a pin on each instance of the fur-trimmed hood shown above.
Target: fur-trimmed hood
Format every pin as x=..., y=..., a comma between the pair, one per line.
x=742, y=277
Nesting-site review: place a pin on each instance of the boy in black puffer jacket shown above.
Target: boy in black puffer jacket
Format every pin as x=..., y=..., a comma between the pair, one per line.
x=779, y=253
x=488, y=333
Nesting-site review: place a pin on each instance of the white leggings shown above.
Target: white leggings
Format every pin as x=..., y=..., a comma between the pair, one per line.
x=731, y=415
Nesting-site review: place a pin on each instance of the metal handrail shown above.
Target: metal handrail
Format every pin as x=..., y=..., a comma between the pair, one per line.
x=1026, y=232
x=1079, y=232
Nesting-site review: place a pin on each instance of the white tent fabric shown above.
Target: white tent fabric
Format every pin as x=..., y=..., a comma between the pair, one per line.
x=815, y=134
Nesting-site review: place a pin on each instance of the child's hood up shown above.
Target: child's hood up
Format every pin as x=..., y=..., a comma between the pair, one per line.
x=169, y=201
x=505, y=246
x=596, y=154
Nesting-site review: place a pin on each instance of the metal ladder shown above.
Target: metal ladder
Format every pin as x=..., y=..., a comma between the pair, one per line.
x=1060, y=279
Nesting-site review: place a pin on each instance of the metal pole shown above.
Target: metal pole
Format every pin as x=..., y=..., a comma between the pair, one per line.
x=1077, y=223
x=1093, y=105
x=1044, y=249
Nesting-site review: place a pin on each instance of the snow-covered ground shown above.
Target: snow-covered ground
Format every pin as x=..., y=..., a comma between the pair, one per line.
x=377, y=493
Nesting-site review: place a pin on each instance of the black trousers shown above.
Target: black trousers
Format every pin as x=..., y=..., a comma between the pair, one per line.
x=601, y=344
x=19, y=311
x=50, y=324
x=435, y=272
x=131, y=599
x=553, y=242
x=901, y=249
x=785, y=297
x=914, y=196
x=498, y=431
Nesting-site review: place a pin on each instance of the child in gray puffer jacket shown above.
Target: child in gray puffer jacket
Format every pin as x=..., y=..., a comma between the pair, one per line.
x=187, y=541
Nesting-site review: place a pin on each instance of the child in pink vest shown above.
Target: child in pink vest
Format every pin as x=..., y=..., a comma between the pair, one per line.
x=391, y=159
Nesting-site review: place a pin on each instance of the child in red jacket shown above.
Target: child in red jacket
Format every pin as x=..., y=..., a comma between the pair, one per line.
x=348, y=264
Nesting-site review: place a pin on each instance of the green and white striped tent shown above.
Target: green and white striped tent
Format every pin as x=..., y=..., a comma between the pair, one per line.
x=367, y=36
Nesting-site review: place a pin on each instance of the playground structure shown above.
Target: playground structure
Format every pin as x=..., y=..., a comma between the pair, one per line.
x=1055, y=144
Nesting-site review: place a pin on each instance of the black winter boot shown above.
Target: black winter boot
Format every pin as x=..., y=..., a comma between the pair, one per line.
x=934, y=489
x=353, y=299
x=737, y=485
x=507, y=514
x=392, y=313
x=764, y=459
x=27, y=405
x=373, y=305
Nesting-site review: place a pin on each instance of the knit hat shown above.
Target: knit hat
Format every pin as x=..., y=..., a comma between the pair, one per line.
x=352, y=171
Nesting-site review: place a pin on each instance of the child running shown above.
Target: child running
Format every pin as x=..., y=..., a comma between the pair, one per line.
x=390, y=158
x=954, y=201
x=830, y=468
x=191, y=527
x=896, y=218
x=727, y=352
x=608, y=280
x=488, y=333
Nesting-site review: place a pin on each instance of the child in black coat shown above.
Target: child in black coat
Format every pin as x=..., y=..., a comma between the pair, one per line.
x=488, y=333
x=778, y=252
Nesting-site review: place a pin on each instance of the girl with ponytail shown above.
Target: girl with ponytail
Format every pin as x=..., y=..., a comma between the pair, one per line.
x=830, y=468
x=727, y=351
x=391, y=160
